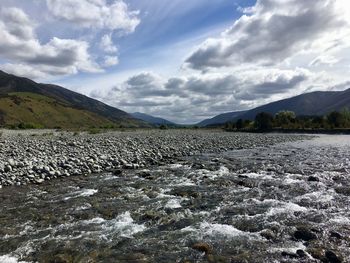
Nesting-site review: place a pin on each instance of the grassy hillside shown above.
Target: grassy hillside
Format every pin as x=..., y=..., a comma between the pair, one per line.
x=42, y=111
x=23, y=101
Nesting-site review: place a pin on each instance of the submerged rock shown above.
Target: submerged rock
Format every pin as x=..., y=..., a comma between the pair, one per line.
x=332, y=257
x=303, y=233
x=202, y=247
x=343, y=190
x=268, y=234
x=313, y=179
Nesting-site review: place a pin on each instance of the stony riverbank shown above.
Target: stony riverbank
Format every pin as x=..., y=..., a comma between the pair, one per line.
x=34, y=157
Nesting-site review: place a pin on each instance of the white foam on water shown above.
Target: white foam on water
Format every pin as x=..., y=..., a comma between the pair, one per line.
x=223, y=171
x=219, y=173
x=109, y=177
x=93, y=221
x=341, y=220
x=81, y=193
x=262, y=175
x=123, y=225
x=278, y=207
x=285, y=208
x=319, y=196
x=227, y=231
x=188, y=229
x=184, y=182
x=211, y=174
x=290, y=180
x=10, y=259
x=292, y=249
x=176, y=166
x=265, y=201
x=161, y=196
x=100, y=228
x=216, y=230
x=83, y=207
x=173, y=203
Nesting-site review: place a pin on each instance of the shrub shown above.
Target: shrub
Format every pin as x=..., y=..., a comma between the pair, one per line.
x=263, y=121
x=94, y=131
x=285, y=119
x=239, y=124
x=26, y=126
x=336, y=119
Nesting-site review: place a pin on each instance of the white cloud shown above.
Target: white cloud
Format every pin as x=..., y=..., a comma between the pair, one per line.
x=110, y=61
x=20, y=45
x=23, y=70
x=96, y=14
x=107, y=45
x=275, y=30
x=324, y=59
x=198, y=96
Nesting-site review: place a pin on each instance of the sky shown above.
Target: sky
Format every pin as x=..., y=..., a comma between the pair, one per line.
x=177, y=59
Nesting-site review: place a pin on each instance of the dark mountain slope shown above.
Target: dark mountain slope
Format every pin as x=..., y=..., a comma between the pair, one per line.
x=151, y=119
x=220, y=119
x=314, y=103
x=40, y=99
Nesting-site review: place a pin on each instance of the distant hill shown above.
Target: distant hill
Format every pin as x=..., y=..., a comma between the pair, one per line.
x=308, y=104
x=152, y=120
x=220, y=119
x=25, y=101
x=314, y=103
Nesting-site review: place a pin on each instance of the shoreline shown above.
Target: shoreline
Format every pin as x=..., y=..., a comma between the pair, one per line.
x=297, y=131
x=32, y=157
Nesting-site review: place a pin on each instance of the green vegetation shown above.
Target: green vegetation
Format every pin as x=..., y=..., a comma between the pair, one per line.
x=263, y=121
x=287, y=120
x=239, y=125
x=24, y=110
x=94, y=131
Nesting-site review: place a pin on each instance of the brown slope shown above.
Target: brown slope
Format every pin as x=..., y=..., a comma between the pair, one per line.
x=64, y=97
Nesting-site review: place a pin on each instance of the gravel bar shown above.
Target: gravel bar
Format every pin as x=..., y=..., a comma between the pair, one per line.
x=28, y=157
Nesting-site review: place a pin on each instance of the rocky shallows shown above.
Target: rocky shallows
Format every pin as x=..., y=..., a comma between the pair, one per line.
x=28, y=157
x=287, y=202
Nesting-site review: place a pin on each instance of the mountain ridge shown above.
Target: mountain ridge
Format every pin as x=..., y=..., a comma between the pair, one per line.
x=152, y=119
x=314, y=103
x=219, y=119
x=19, y=93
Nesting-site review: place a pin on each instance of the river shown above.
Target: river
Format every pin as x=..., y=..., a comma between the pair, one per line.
x=284, y=203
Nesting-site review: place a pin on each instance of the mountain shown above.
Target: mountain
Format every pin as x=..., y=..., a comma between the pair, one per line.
x=151, y=119
x=313, y=103
x=25, y=101
x=220, y=119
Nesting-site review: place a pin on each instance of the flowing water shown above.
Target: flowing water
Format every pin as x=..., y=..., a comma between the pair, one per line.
x=241, y=206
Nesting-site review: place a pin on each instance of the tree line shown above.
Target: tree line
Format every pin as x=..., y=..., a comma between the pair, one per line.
x=287, y=120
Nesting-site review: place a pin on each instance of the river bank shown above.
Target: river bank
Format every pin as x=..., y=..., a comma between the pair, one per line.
x=37, y=156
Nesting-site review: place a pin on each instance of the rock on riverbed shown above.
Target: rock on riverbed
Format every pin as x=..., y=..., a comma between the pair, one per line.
x=34, y=157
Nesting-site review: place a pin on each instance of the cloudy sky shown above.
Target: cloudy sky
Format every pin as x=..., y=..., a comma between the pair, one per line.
x=179, y=59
